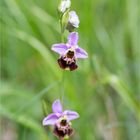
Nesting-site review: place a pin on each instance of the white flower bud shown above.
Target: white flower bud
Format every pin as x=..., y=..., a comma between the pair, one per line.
x=73, y=19
x=64, y=5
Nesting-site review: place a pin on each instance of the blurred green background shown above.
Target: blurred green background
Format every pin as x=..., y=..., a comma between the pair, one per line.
x=104, y=90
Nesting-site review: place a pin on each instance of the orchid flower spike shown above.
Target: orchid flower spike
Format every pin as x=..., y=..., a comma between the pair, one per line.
x=60, y=120
x=69, y=52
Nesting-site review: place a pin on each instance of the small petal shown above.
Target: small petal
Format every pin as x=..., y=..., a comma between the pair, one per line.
x=71, y=115
x=81, y=53
x=73, y=38
x=59, y=48
x=50, y=119
x=57, y=107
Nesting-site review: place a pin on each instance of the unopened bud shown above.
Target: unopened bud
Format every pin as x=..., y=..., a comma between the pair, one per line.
x=73, y=21
x=64, y=5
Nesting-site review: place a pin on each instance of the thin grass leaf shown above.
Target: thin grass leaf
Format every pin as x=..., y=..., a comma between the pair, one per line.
x=40, y=47
x=125, y=93
x=45, y=17
x=37, y=97
x=25, y=121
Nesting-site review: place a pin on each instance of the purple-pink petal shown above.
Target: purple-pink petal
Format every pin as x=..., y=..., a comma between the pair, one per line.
x=81, y=53
x=57, y=107
x=73, y=38
x=50, y=119
x=71, y=115
x=60, y=48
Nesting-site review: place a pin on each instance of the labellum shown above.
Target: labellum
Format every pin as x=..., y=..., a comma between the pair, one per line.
x=63, y=129
x=68, y=61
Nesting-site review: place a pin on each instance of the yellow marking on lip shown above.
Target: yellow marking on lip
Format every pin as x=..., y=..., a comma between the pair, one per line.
x=62, y=118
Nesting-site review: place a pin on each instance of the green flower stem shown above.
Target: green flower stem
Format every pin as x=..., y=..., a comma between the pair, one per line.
x=62, y=89
x=61, y=27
